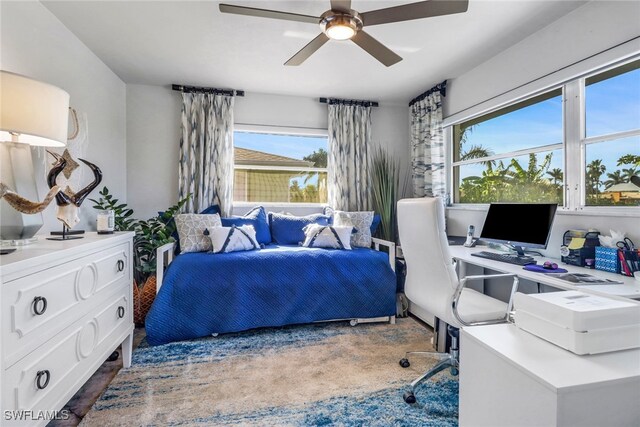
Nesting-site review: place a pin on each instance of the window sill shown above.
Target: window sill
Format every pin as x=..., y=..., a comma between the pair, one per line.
x=604, y=211
x=278, y=204
x=584, y=211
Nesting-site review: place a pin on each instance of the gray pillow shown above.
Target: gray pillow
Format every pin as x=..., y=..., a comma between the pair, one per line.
x=191, y=231
x=360, y=221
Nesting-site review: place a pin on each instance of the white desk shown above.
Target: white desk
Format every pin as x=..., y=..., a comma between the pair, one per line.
x=629, y=289
x=509, y=377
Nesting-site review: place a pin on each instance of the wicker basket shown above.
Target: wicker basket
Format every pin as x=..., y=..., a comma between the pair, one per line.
x=143, y=297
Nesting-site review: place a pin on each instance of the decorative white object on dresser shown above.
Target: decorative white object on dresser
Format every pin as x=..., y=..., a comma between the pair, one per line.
x=64, y=308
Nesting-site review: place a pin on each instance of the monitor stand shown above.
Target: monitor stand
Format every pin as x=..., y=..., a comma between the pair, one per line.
x=519, y=250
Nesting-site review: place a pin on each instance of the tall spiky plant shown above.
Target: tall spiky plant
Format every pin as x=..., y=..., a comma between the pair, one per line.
x=385, y=177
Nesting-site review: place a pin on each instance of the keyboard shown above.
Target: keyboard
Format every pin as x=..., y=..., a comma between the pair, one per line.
x=511, y=259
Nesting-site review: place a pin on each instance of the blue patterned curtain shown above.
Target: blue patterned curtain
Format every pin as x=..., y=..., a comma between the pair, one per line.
x=206, y=151
x=348, y=160
x=427, y=146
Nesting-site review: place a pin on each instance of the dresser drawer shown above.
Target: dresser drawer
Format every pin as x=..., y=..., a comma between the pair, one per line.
x=38, y=306
x=42, y=379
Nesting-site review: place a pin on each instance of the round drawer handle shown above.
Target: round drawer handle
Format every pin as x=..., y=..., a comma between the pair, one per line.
x=120, y=265
x=120, y=312
x=47, y=376
x=39, y=305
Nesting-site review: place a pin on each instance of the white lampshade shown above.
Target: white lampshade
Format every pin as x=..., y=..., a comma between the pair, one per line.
x=37, y=112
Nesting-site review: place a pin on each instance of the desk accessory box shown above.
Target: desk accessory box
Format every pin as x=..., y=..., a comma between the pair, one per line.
x=578, y=246
x=629, y=261
x=579, y=322
x=607, y=259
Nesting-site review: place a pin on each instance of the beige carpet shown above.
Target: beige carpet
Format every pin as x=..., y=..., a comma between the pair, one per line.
x=316, y=374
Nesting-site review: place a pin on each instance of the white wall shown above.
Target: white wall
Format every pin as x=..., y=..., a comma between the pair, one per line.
x=153, y=127
x=588, y=30
x=36, y=44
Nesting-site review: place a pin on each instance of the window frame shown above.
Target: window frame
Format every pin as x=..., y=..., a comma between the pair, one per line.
x=574, y=147
x=279, y=130
x=453, y=180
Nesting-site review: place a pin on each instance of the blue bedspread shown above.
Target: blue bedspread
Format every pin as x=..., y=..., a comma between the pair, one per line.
x=207, y=293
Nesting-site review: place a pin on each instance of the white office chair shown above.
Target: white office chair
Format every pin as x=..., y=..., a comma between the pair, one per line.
x=433, y=285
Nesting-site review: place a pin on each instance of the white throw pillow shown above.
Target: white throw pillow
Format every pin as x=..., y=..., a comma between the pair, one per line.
x=360, y=221
x=326, y=236
x=233, y=239
x=191, y=231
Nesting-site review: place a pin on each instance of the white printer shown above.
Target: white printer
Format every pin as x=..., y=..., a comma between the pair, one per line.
x=579, y=322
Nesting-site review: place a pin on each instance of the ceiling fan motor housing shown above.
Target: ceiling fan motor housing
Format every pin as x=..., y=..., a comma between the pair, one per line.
x=332, y=19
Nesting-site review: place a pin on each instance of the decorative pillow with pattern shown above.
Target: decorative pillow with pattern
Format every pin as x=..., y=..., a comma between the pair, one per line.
x=328, y=210
x=191, y=229
x=289, y=229
x=360, y=221
x=327, y=236
x=256, y=217
x=233, y=239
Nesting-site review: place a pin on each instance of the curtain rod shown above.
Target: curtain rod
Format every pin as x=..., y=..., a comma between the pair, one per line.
x=191, y=89
x=442, y=88
x=332, y=101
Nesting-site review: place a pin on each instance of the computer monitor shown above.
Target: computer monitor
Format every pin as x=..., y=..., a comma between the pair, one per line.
x=519, y=224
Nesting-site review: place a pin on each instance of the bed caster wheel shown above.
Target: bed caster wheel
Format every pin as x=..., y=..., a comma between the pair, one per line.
x=409, y=397
x=353, y=322
x=405, y=363
x=454, y=371
x=113, y=356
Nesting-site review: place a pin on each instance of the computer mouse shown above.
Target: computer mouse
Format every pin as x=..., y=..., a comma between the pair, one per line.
x=548, y=265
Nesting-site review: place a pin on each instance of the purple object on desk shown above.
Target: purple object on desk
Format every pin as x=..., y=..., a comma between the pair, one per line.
x=540, y=269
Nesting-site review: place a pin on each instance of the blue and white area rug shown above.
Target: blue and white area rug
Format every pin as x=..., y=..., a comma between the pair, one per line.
x=310, y=375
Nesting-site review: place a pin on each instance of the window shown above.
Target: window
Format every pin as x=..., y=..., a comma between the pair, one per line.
x=612, y=136
x=280, y=168
x=542, y=149
x=496, y=161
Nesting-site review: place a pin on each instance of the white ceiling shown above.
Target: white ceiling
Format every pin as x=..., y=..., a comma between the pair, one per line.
x=192, y=43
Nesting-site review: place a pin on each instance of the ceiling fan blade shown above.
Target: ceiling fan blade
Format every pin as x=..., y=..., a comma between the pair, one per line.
x=418, y=10
x=265, y=13
x=376, y=49
x=308, y=50
x=341, y=5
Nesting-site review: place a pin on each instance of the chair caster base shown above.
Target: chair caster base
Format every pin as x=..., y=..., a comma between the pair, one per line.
x=404, y=363
x=409, y=397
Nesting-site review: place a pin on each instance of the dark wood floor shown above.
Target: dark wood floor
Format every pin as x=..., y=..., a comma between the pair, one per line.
x=84, y=399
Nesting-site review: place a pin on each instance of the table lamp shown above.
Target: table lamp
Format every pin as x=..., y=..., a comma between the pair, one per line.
x=32, y=113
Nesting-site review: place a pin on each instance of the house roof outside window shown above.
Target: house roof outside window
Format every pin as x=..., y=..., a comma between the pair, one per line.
x=244, y=156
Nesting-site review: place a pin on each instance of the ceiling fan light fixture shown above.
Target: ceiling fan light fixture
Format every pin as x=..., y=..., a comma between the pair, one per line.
x=340, y=26
x=340, y=32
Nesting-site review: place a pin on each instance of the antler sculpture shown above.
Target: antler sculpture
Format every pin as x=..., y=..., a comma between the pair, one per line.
x=69, y=202
x=23, y=205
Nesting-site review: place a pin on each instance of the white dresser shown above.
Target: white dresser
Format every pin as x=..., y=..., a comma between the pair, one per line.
x=64, y=308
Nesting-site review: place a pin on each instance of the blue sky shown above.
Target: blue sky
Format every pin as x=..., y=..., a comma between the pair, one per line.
x=611, y=106
x=289, y=145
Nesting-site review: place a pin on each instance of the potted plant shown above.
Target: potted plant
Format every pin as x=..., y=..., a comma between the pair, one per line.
x=149, y=235
x=385, y=177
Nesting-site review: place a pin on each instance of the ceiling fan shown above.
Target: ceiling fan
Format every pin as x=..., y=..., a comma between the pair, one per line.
x=343, y=23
